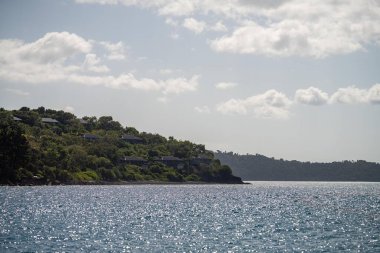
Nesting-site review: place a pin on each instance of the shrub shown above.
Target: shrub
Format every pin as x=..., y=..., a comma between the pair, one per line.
x=86, y=176
x=192, y=177
x=174, y=177
x=107, y=174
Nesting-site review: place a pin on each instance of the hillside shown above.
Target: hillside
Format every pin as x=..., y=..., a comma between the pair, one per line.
x=44, y=146
x=261, y=168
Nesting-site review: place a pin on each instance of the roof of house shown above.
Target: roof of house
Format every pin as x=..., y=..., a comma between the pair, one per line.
x=203, y=156
x=16, y=119
x=170, y=158
x=49, y=120
x=90, y=136
x=130, y=137
x=133, y=159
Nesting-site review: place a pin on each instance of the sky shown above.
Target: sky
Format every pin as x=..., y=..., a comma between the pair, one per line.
x=291, y=79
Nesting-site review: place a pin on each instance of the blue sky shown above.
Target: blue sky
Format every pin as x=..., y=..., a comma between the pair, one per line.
x=285, y=78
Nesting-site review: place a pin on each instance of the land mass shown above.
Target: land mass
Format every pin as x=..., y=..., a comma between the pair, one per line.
x=261, y=168
x=45, y=146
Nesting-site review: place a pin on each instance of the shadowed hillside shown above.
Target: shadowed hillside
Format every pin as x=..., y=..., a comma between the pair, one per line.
x=259, y=167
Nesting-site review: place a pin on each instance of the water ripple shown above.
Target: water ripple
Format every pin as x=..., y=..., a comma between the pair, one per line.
x=263, y=217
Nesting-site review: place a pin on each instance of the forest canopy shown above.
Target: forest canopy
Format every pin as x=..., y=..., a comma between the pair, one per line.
x=45, y=146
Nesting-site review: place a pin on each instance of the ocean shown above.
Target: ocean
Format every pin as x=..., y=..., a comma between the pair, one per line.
x=259, y=217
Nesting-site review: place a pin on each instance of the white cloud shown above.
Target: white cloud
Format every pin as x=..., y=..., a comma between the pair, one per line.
x=353, y=95
x=225, y=85
x=18, y=92
x=194, y=25
x=129, y=81
x=374, y=94
x=255, y=39
x=202, y=109
x=43, y=60
x=349, y=95
x=232, y=106
x=306, y=28
x=116, y=50
x=270, y=112
x=287, y=38
x=271, y=104
x=51, y=48
x=219, y=27
x=276, y=105
x=69, y=109
x=92, y=63
x=200, y=26
x=271, y=98
x=311, y=96
x=277, y=27
x=175, y=8
x=46, y=60
x=179, y=85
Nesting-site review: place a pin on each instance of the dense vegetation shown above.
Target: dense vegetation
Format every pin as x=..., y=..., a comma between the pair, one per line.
x=259, y=167
x=34, y=152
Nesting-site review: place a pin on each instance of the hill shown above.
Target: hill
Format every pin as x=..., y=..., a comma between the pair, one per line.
x=44, y=146
x=261, y=168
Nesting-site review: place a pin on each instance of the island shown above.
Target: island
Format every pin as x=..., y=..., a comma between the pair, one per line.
x=45, y=146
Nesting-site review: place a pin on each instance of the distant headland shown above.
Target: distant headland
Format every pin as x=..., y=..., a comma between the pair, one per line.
x=44, y=146
x=261, y=168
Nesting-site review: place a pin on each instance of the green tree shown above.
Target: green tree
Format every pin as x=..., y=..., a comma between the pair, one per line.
x=14, y=148
x=131, y=130
x=28, y=117
x=107, y=123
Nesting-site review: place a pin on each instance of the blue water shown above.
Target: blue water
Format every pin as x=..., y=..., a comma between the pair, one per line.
x=262, y=217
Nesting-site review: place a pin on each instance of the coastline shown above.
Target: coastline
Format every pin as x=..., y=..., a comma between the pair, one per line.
x=129, y=183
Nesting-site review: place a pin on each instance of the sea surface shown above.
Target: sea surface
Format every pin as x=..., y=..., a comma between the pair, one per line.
x=261, y=217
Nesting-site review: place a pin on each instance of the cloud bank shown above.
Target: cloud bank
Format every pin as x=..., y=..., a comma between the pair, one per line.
x=311, y=96
x=276, y=105
x=271, y=104
x=353, y=95
x=275, y=28
x=194, y=25
x=63, y=56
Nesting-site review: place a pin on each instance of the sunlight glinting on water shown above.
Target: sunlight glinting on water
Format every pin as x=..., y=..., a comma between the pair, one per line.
x=262, y=217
